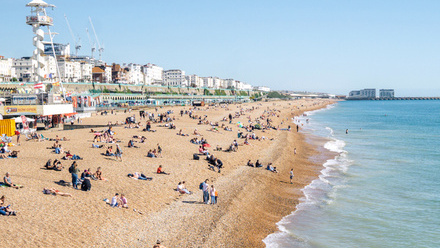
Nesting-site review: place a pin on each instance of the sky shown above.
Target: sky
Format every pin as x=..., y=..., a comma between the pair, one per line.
x=318, y=46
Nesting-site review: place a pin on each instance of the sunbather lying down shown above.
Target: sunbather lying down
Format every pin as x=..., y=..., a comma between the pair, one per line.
x=140, y=176
x=52, y=191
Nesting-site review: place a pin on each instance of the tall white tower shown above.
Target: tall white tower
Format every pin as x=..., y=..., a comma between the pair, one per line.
x=38, y=19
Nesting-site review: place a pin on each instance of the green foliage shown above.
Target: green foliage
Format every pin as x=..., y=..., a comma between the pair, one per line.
x=14, y=79
x=243, y=93
x=219, y=92
x=206, y=92
x=276, y=94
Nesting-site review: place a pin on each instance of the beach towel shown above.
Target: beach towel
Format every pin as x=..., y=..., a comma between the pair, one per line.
x=3, y=185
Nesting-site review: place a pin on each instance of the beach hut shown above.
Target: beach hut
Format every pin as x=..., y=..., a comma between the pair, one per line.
x=7, y=127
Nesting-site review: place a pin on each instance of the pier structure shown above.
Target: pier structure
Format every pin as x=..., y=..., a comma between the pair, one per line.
x=395, y=98
x=406, y=98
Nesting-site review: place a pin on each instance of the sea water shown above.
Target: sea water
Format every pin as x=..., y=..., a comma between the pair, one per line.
x=383, y=187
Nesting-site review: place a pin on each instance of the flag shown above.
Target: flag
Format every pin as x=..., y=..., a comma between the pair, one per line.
x=38, y=86
x=50, y=75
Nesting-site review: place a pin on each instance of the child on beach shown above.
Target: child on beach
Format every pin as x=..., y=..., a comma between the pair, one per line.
x=291, y=175
x=123, y=201
x=212, y=194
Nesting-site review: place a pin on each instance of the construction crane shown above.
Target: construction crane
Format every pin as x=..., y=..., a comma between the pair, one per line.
x=77, y=42
x=100, y=49
x=92, y=44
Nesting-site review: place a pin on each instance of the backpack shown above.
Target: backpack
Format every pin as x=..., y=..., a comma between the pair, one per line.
x=196, y=156
x=201, y=186
x=71, y=169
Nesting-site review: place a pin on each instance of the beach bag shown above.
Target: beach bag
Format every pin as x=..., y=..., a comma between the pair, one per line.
x=196, y=156
x=86, y=185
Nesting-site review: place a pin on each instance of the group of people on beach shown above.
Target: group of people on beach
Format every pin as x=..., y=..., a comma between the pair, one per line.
x=209, y=193
x=248, y=133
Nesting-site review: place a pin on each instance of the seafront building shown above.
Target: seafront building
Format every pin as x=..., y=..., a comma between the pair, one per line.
x=153, y=74
x=386, y=93
x=53, y=63
x=7, y=72
x=362, y=94
x=174, y=77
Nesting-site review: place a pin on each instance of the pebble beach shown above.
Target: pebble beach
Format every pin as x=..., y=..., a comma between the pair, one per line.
x=251, y=200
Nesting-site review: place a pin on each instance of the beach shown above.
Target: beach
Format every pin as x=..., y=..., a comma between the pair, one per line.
x=251, y=200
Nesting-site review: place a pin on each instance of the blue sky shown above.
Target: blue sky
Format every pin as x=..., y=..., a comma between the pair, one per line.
x=327, y=46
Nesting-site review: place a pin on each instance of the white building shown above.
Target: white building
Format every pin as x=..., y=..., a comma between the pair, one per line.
x=195, y=81
x=23, y=68
x=86, y=71
x=174, y=77
x=231, y=83
x=108, y=74
x=386, y=93
x=70, y=70
x=239, y=85
x=6, y=70
x=208, y=82
x=216, y=82
x=246, y=86
x=134, y=75
x=262, y=88
x=152, y=74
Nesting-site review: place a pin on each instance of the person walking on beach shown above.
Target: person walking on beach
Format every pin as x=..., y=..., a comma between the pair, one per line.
x=118, y=152
x=291, y=176
x=18, y=136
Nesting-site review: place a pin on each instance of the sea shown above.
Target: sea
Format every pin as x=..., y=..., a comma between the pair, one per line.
x=383, y=187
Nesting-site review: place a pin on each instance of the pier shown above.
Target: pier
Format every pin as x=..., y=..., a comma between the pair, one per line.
x=396, y=98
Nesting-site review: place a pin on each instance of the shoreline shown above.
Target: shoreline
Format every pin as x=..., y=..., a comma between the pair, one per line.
x=324, y=155
x=251, y=200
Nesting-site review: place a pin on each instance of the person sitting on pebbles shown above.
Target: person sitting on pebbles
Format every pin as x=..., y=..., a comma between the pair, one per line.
x=8, y=182
x=161, y=171
x=6, y=210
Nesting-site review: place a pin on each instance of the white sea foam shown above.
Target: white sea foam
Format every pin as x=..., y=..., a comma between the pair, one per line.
x=321, y=191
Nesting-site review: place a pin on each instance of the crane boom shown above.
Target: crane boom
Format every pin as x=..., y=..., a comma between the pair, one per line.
x=92, y=45
x=100, y=49
x=77, y=45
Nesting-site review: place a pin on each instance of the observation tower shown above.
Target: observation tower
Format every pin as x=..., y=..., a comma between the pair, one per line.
x=37, y=20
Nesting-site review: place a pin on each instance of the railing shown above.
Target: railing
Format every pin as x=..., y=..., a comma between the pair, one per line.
x=45, y=20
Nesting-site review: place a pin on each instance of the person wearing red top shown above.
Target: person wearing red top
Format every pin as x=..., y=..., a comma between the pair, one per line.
x=160, y=170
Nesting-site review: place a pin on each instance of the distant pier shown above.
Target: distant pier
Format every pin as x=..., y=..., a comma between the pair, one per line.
x=396, y=98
